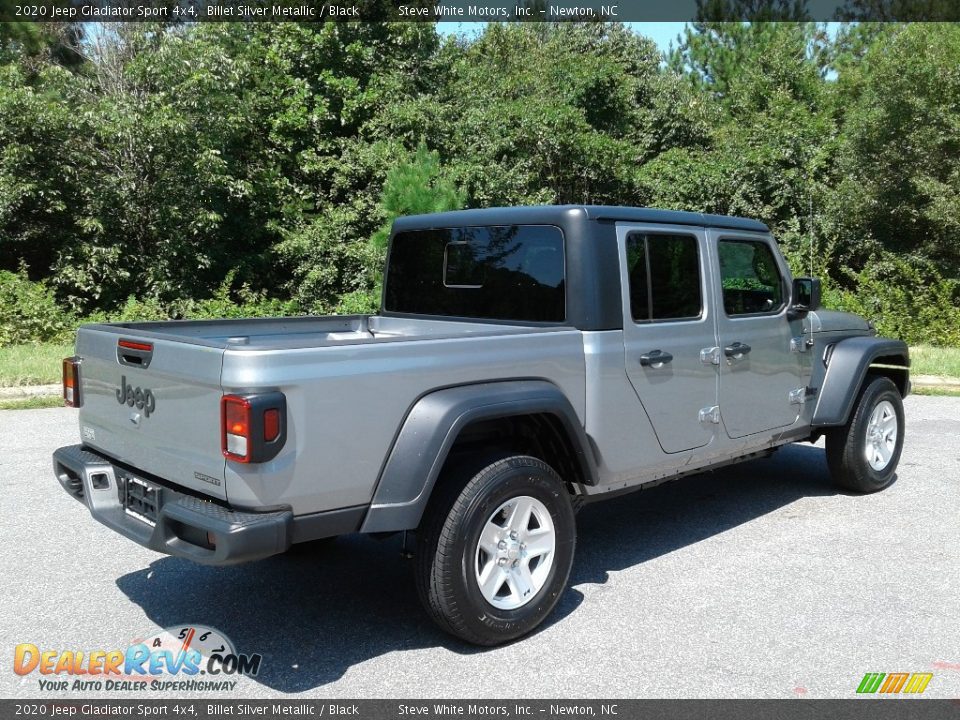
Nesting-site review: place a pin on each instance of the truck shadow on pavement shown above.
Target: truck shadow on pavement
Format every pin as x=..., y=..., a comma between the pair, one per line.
x=642, y=526
x=314, y=616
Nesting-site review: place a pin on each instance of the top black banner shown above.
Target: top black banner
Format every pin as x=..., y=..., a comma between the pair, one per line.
x=467, y=11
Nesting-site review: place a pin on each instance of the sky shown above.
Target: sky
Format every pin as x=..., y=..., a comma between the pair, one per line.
x=662, y=33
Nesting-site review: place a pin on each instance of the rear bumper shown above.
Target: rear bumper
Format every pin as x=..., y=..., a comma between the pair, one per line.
x=183, y=522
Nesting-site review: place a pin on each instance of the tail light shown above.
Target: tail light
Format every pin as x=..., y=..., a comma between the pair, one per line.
x=71, y=382
x=253, y=427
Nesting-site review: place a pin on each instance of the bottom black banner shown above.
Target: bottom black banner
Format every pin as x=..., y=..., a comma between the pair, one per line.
x=873, y=709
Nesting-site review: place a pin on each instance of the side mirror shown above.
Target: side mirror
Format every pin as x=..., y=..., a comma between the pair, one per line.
x=805, y=296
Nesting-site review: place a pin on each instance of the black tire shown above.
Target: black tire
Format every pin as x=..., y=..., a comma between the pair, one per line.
x=447, y=547
x=847, y=445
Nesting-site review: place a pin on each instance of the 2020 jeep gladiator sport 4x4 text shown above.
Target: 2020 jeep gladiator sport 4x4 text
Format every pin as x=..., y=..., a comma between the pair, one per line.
x=525, y=360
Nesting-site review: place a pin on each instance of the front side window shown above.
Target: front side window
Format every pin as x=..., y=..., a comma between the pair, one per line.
x=750, y=278
x=502, y=272
x=664, y=277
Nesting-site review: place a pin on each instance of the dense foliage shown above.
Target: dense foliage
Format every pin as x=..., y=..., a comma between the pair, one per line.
x=221, y=169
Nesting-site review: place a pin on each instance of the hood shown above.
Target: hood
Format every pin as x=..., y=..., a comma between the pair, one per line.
x=833, y=320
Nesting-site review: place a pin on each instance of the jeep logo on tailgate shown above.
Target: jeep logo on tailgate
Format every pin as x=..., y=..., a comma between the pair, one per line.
x=143, y=399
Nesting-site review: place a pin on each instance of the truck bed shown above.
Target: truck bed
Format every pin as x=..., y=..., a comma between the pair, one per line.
x=348, y=381
x=307, y=332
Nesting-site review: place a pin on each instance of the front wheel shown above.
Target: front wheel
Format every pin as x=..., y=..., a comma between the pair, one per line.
x=495, y=549
x=863, y=454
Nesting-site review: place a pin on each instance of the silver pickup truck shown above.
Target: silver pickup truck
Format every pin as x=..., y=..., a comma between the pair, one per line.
x=525, y=361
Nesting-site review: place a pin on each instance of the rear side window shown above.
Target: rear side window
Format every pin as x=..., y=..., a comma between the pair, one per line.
x=750, y=278
x=502, y=272
x=664, y=277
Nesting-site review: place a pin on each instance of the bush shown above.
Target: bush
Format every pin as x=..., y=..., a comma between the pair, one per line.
x=133, y=310
x=358, y=302
x=225, y=303
x=906, y=298
x=330, y=257
x=28, y=312
x=244, y=302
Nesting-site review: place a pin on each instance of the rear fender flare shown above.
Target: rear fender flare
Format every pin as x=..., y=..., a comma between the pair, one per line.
x=431, y=428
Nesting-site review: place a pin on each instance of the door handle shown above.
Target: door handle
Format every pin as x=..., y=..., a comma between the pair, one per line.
x=655, y=358
x=736, y=350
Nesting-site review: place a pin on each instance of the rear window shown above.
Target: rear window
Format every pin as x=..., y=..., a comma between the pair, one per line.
x=502, y=272
x=664, y=277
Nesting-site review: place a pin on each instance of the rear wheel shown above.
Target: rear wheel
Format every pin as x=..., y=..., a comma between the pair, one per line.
x=863, y=454
x=495, y=549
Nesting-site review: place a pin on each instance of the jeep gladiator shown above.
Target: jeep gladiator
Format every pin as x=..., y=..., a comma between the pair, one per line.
x=524, y=361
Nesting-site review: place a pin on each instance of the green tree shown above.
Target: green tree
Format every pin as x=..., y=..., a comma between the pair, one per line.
x=333, y=272
x=416, y=187
x=557, y=113
x=899, y=161
x=330, y=102
x=156, y=186
x=40, y=188
x=192, y=166
x=771, y=145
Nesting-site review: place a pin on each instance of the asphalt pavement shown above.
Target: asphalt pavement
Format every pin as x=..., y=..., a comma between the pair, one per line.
x=760, y=580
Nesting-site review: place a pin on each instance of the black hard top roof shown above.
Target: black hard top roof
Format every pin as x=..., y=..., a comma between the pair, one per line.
x=559, y=214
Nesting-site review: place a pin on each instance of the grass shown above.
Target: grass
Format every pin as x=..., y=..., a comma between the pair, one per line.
x=31, y=403
x=948, y=392
x=32, y=364
x=926, y=360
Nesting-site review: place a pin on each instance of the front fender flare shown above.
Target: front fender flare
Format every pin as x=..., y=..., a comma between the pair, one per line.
x=849, y=363
x=431, y=428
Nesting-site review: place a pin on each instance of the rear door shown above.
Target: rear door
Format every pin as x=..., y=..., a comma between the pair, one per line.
x=154, y=404
x=760, y=371
x=666, y=323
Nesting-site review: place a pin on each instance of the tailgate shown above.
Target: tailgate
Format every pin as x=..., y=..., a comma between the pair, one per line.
x=154, y=406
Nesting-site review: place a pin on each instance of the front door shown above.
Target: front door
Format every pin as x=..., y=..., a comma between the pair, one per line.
x=667, y=322
x=762, y=377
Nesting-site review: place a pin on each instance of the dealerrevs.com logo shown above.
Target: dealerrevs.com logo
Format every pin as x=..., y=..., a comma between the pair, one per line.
x=187, y=658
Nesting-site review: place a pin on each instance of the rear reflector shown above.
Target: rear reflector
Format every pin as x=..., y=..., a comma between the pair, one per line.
x=71, y=382
x=271, y=424
x=253, y=427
